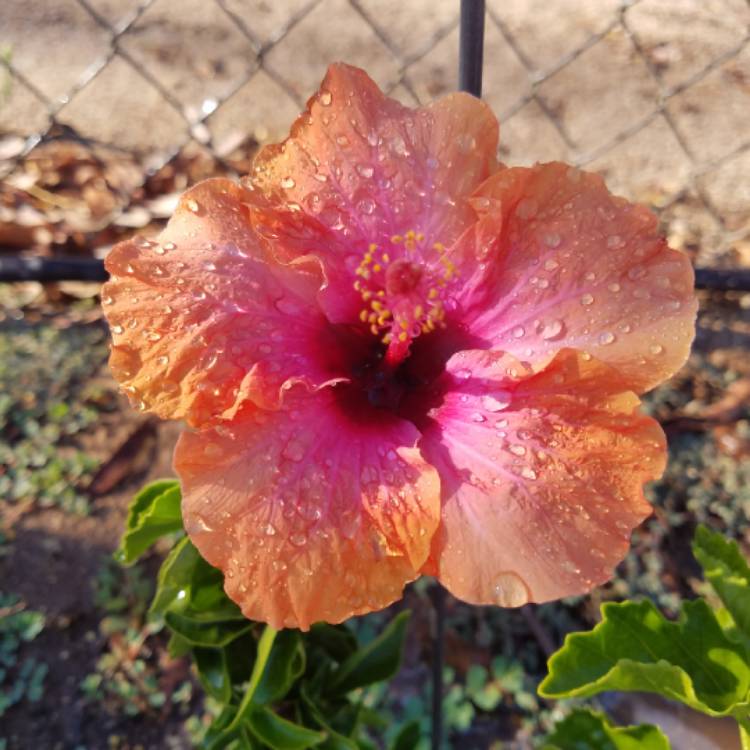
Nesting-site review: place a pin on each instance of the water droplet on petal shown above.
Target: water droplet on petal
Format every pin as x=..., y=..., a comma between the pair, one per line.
x=518, y=450
x=193, y=205
x=528, y=473
x=607, y=337
x=478, y=417
x=294, y=451
x=552, y=330
x=656, y=348
x=510, y=591
x=365, y=170
x=496, y=403
x=519, y=332
x=117, y=329
x=287, y=183
x=169, y=246
x=552, y=239
x=587, y=299
x=326, y=97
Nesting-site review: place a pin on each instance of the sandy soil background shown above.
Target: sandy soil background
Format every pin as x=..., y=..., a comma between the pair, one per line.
x=654, y=93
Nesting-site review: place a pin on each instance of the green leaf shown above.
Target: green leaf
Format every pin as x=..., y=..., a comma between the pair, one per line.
x=636, y=648
x=408, y=737
x=213, y=672
x=281, y=734
x=728, y=573
x=210, y=634
x=377, y=661
x=175, y=578
x=336, y=640
x=590, y=730
x=153, y=512
x=228, y=729
x=285, y=666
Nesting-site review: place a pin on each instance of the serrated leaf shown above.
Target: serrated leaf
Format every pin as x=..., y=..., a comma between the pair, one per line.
x=725, y=568
x=377, y=661
x=153, y=513
x=635, y=648
x=281, y=734
x=590, y=730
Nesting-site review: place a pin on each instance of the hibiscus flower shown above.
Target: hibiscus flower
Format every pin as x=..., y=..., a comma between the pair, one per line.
x=398, y=357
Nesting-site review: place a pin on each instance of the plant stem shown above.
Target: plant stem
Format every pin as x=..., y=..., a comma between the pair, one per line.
x=744, y=737
x=438, y=652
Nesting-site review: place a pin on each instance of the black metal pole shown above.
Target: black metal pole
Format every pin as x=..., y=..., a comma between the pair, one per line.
x=471, y=47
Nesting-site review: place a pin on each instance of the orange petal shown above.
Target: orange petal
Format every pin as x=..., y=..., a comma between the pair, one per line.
x=359, y=168
x=202, y=321
x=311, y=515
x=570, y=265
x=542, y=476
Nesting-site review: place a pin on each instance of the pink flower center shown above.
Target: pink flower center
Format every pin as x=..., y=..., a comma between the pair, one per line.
x=404, y=289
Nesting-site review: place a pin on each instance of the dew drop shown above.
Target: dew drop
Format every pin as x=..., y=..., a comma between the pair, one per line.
x=209, y=265
x=607, y=337
x=614, y=287
x=552, y=239
x=117, y=329
x=656, y=348
x=287, y=183
x=519, y=332
x=298, y=539
x=528, y=473
x=587, y=299
x=326, y=97
x=153, y=336
x=552, y=330
x=496, y=403
x=107, y=300
x=478, y=417
x=518, y=450
x=169, y=246
x=163, y=360
x=193, y=205
x=510, y=591
x=615, y=241
x=293, y=451
x=526, y=208
x=365, y=170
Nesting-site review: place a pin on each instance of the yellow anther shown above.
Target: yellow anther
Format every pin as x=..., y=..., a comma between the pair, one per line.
x=373, y=247
x=433, y=293
x=420, y=237
x=363, y=315
x=366, y=260
x=372, y=318
x=386, y=258
x=403, y=336
x=381, y=293
x=404, y=325
x=366, y=295
x=358, y=285
x=376, y=305
x=397, y=239
x=374, y=330
x=418, y=311
x=377, y=268
x=387, y=338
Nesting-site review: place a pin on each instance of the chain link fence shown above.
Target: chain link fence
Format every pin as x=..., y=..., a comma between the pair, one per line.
x=655, y=94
